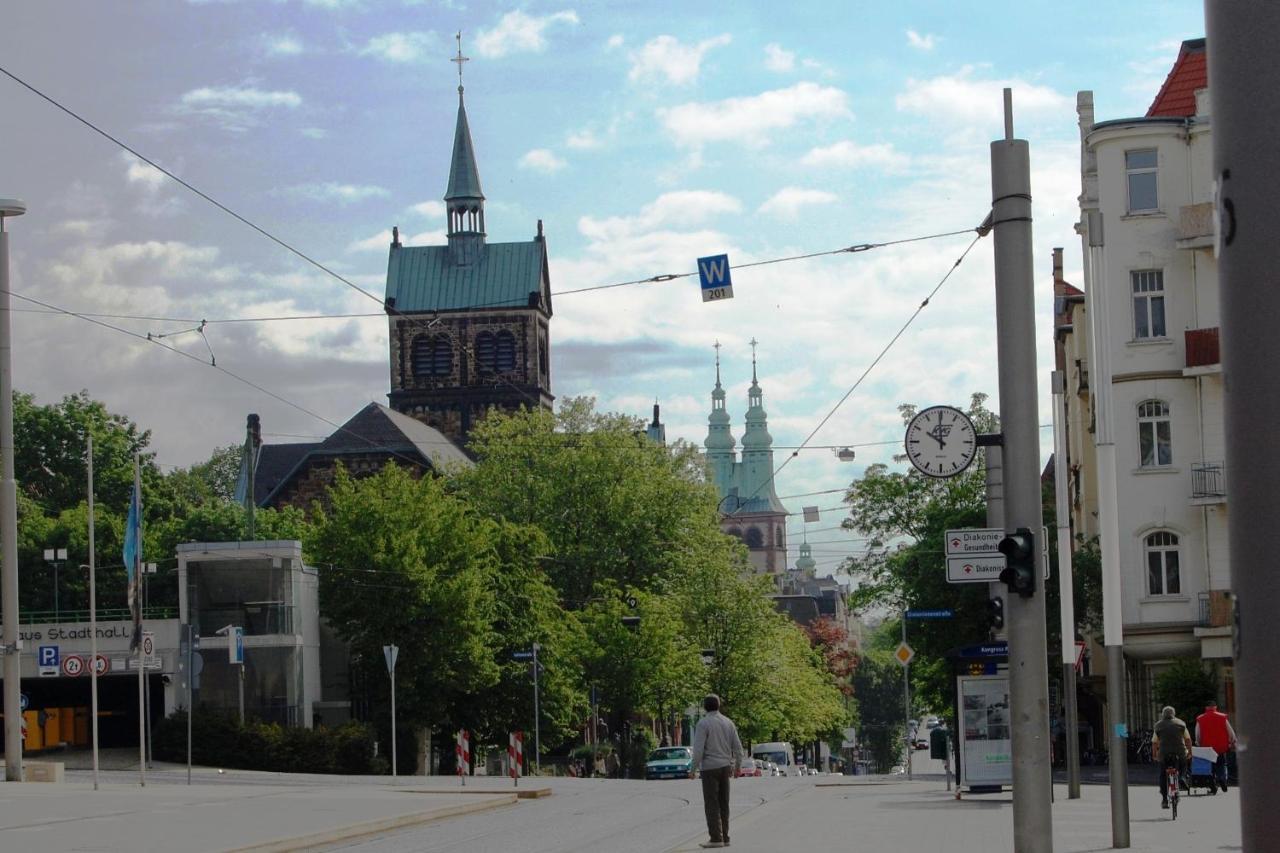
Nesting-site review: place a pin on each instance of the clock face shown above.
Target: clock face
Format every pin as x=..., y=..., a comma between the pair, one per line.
x=941, y=441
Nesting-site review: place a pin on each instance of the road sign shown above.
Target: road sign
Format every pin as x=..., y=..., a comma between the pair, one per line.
x=391, y=653
x=72, y=665
x=713, y=274
x=904, y=653
x=965, y=541
x=522, y=655
x=23, y=701
x=235, y=645
x=941, y=613
x=101, y=665
x=48, y=660
x=148, y=646
x=975, y=569
x=998, y=649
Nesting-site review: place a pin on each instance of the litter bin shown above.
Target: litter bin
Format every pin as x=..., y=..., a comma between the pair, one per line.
x=938, y=743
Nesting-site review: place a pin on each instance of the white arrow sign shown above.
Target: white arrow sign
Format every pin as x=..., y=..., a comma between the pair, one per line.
x=391, y=653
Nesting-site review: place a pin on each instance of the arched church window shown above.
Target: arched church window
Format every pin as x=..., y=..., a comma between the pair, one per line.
x=544, y=364
x=777, y=537
x=735, y=532
x=484, y=351
x=432, y=355
x=755, y=539
x=505, y=351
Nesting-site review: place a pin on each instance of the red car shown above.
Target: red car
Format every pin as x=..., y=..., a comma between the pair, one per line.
x=751, y=767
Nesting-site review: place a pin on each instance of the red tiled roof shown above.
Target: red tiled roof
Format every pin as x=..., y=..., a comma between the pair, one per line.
x=1190, y=73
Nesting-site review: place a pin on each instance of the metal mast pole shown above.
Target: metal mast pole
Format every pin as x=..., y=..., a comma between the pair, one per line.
x=137, y=596
x=1066, y=584
x=1245, y=162
x=906, y=698
x=12, y=668
x=93, y=618
x=1019, y=423
x=537, y=729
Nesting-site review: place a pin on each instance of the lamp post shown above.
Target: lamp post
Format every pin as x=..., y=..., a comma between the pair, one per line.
x=55, y=557
x=12, y=646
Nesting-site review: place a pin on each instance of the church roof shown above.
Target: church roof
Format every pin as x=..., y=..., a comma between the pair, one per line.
x=464, y=175
x=507, y=275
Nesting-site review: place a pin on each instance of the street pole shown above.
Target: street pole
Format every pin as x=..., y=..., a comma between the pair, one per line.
x=1020, y=426
x=906, y=697
x=1108, y=527
x=1066, y=584
x=1245, y=163
x=137, y=603
x=537, y=730
x=994, y=463
x=12, y=669
x=393, y=723
x=93, y=617
x=191, y=658
x=241, y=666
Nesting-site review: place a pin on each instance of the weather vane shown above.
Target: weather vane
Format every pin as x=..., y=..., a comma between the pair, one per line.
x=460, y=59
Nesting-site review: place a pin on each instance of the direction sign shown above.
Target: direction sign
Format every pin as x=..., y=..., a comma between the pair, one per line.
x=904, y=653
x=522, y=655
x=975, y=569
x=713, y=275
x=997, y=649
x=72, y=665
x=940, y=613
x=973, y=540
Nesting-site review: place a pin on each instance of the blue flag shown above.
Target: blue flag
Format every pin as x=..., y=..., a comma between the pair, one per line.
x=133, y=539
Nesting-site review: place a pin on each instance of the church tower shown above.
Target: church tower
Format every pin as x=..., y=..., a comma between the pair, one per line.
x=469, y=321
x=720, y=444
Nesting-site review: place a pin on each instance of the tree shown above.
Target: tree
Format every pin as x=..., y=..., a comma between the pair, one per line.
x=877, y=692
x=1186, y=686
x=831, y=641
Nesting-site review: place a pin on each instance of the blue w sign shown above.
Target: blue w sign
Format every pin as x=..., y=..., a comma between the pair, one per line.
x=713, y=273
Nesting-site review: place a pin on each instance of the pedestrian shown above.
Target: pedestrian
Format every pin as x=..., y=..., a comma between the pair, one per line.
x=1170, y=745
x=1213, y=729
x=717, y=753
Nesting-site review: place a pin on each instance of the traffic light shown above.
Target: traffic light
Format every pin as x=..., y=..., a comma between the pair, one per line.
x=1019, y=549
x=995, y=613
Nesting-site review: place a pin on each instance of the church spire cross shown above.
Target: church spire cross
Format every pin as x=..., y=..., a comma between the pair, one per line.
x=717, y=345
x=460, y=59
x=754, y=344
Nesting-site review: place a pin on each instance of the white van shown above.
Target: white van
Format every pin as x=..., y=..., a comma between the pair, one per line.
x=780, y=754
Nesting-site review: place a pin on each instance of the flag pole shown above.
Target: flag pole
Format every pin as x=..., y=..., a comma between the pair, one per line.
x=93, y=620
x=137, y=624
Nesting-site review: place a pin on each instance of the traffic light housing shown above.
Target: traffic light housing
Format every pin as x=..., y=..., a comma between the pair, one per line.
x=995, y=613
x=1019, y=549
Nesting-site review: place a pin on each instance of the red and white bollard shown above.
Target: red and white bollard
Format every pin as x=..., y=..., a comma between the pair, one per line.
x=515, y=756
x=463, y=752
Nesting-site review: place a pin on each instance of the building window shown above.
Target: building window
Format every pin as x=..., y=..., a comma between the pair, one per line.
x=485, y=350
x=1148, y=304
x=1162, y=563
x=1140, y=172
x=505, y=352
x=544, y=364
x=755, y=539
x=1155, y=444
x=432, y=356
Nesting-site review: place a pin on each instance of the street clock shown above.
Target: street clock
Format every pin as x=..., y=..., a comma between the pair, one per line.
x=941, y=441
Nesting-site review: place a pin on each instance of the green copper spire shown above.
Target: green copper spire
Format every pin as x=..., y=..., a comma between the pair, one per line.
x=464, y=201
x=806, y=563
x=756, y=436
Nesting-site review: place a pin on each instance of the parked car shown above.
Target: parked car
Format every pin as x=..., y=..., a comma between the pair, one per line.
x=813, y=771
x=670, y=762
x=750, y=767
x=932, y=722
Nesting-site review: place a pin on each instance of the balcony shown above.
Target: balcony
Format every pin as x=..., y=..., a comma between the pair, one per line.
x=1208, y=483
x=1202, y=351
x=1195, y=226
x=1082, y=376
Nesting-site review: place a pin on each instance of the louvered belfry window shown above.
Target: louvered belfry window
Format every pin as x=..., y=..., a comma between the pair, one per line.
x=505, y=352
x=432, y=356
x=485, y=347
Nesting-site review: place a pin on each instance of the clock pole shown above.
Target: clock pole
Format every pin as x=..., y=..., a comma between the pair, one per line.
x=1019, y=424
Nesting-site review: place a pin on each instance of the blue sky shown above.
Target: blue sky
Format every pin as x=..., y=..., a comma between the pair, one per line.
x=643, y=135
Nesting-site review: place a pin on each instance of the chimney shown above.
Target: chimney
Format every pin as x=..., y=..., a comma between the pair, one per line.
x=395, y=236
x=1057, y=268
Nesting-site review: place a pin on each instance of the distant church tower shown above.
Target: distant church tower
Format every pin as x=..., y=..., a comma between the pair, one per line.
x=469, y=321
x=749, y=505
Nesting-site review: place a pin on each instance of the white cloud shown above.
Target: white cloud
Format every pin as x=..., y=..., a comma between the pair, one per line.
x=679, y=209
x=850, y=155
x=921, y=42
x=517, y=32
x=282, y=45
x=314, y=132
x=141, y=174
x=236, y=108
x=614, y=42
x=751, y=119
x=542, y=160
x=786, y=202
x=666, y=57
x=401, y=48
x=777, y=59
x=583, y=140
x=336, y=192
x=428, y=208
x=964, y=98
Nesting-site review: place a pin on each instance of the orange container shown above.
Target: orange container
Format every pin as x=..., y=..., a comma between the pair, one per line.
x=35, y=737
x=52, y=727
x=67, y=725
x=82, y=727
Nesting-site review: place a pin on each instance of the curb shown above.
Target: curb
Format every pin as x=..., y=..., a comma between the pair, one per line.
x=519, y=793
x=371, y=827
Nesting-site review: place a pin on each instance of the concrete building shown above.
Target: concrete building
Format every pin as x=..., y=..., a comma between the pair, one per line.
x=1157, y=280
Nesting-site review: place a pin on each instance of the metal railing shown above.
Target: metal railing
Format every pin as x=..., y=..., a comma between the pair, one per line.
x=257, y=619
x=1208, y=480
x=1203, y=617
x=112, y=614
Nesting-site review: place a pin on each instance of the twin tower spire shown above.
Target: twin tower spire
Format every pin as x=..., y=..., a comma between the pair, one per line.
x=750, y=480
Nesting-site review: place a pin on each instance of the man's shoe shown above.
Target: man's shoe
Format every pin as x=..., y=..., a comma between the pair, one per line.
x=1224, y=787
x=1164, y=805
x=712, y=844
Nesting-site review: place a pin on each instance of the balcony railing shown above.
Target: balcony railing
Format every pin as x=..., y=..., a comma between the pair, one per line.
x=1208, y=480
x=1202, y=620
x=1202, y=347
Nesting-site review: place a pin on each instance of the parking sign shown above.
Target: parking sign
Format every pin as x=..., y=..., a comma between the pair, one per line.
x=48, y=659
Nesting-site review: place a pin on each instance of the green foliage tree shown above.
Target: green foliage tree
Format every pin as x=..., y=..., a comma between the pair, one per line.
x=1187, y=686
x=877, y=692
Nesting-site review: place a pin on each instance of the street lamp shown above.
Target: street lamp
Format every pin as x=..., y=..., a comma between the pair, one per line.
x=55, y=557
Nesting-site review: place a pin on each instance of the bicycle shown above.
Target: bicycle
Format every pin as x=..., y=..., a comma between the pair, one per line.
x=1172, y=783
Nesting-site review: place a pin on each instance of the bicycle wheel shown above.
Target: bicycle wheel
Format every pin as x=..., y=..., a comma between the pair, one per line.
x=1173, y=805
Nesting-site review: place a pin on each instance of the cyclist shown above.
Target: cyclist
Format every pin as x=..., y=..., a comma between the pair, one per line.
x=1170, y=745
x=1213, y=729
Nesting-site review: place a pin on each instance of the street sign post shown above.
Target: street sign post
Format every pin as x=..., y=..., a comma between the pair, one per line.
x=714, y=276
x=391, y=653
x=939, y=613
x=976, y=569
x=972, y=556
x=72, y=665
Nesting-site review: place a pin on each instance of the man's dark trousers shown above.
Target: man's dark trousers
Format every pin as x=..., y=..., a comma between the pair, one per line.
x=715, y=799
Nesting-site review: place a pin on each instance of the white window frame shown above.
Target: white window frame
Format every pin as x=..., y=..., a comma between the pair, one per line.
x=1151, y=415
x=1146, y=289
x=1165, y=546
x=1130, y=172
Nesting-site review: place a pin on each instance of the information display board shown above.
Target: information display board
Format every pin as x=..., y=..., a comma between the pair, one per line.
x=986, y=750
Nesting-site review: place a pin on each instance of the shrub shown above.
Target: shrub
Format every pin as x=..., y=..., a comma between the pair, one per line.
x=1186, y=686
x=219, y=740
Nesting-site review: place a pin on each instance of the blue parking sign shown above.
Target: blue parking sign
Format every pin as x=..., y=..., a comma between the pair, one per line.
x=713, y=274
x=47, y=656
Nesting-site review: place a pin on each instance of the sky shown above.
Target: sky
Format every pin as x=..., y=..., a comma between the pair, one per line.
x=644, y=136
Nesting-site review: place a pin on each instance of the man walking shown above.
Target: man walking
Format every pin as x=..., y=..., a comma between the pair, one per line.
x=1170, y=745
x=1213, y=729
x=717, y=753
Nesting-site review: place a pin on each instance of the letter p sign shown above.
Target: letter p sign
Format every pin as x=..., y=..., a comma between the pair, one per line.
x=47, y=656
x=713, y=274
